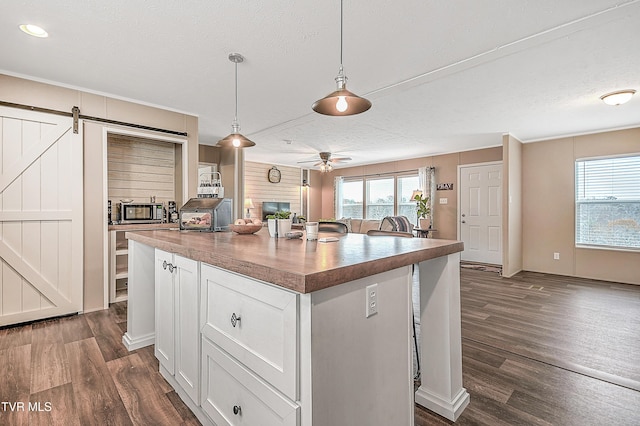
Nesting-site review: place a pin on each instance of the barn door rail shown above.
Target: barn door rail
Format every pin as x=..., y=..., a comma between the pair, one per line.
x=75, y=113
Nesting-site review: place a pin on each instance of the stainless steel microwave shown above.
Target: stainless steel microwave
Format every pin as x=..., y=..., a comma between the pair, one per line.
x=141, y=213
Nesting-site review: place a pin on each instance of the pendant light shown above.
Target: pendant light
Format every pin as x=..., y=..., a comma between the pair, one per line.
x=341, y=102
x=235, y=139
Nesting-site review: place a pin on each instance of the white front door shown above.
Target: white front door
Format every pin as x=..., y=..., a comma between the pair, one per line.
x=480, y=213
x=41, y=236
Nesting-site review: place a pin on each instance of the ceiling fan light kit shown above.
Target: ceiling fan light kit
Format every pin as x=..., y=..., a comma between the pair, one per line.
x=618, y=98
x=235, y=139
x=341, y=102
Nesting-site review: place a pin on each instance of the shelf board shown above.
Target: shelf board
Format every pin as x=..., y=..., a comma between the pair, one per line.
x=122, y=245
x=121, y=296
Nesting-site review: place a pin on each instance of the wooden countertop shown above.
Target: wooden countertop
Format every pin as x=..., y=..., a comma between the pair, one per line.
x=142, y=226
x=299, y=265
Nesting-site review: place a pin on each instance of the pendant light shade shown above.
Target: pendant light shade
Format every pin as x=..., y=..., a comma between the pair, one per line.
x=235, y=139
x=341, y=102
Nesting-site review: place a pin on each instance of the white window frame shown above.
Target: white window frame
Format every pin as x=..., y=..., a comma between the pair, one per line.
x=364, y=179
x=602, y=200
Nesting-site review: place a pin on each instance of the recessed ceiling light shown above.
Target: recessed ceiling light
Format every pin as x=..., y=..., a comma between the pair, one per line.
x=34, y=30
x=618, y=98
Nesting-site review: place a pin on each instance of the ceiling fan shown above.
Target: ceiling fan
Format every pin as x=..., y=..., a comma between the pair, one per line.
x=326, y=160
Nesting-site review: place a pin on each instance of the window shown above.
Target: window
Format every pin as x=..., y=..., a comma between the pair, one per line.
x=377, y=197
x=380, y=198
x=352, y=199
x=405, y=206
x=608, y=202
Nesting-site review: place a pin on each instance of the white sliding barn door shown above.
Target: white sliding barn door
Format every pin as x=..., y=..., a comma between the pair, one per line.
x=41, y=236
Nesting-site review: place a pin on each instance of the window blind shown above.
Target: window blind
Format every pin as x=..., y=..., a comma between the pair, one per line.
x=608, y=202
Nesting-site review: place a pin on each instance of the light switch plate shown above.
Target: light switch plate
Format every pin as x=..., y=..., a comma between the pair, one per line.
x=444, y=201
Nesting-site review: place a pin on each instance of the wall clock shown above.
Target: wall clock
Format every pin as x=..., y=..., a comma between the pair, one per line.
x=274, y=175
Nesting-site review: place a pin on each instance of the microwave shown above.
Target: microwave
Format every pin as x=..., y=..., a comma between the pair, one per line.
x=141, y=213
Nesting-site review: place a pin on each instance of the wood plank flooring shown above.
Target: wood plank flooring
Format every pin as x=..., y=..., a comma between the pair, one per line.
x=543, y=349
x=77, y=372
x=537, y=350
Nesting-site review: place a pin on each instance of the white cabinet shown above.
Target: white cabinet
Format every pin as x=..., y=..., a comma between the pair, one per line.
x=250, y=341
x=254, y=322
x=177, y=343
x=234, y=395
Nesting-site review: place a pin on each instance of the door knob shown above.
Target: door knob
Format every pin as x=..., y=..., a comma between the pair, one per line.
x=464, y=221
x=464, y=215
x=164, y=265
x=236, y=409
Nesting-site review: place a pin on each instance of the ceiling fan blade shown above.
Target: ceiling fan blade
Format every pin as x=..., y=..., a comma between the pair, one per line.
x=339, y=159
x=307, y=161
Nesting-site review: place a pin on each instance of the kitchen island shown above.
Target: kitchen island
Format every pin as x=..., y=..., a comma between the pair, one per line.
x=257, y=330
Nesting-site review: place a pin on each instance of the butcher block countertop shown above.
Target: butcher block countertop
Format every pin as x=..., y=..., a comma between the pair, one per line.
x=299, y=265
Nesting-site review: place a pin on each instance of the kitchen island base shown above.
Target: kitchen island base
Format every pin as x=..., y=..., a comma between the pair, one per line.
x=305, y=351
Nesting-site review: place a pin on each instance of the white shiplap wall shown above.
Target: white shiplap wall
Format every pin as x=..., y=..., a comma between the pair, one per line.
x=140, y=168
x=259, y=189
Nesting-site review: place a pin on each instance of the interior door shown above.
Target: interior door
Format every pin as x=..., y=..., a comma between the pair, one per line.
x=41, y=236
x=480, y=213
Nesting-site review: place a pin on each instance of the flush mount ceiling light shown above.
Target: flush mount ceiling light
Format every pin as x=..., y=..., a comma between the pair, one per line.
x=341, y=102
x=34, y=30
x=618, y=98
x=235, y=139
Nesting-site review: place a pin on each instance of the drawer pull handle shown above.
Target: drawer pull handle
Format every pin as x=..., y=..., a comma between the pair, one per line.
x=237, y=409
x=235, y=319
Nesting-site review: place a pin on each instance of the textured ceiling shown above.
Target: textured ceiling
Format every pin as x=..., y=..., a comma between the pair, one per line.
x=443, y=76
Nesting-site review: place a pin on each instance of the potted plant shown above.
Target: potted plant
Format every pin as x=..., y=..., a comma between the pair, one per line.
x=272, y=225
x=424, y=211
x=284, y=223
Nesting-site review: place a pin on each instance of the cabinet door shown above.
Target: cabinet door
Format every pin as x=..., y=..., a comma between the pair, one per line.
x=187, y=332
x=233, y=395
x=254, y=322
x=164, y=346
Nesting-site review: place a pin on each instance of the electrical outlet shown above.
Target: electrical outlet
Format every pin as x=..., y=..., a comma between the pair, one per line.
x=372, y=299
x=444, y=201
x=556, y=256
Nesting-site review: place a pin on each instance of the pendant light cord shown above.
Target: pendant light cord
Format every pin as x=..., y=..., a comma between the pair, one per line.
x=236, y=116
x=341, y=19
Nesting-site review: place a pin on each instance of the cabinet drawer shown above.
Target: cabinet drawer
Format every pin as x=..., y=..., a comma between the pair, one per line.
x=233, y=395
x=265, y=337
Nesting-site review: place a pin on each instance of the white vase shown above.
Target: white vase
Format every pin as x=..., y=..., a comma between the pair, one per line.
x=272, y=224
x=284, y=226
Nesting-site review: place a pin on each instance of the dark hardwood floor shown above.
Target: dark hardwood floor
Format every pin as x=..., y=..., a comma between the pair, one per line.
x=544, y=349
x=80, y=373
x=537, y=350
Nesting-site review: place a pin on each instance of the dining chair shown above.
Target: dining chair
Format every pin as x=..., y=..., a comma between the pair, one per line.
x=329, y=226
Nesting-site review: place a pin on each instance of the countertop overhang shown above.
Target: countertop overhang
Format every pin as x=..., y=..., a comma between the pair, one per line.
x=298, y=264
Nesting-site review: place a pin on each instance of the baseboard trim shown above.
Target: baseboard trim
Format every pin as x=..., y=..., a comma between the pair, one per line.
x=448, y=409
x=138, y=342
